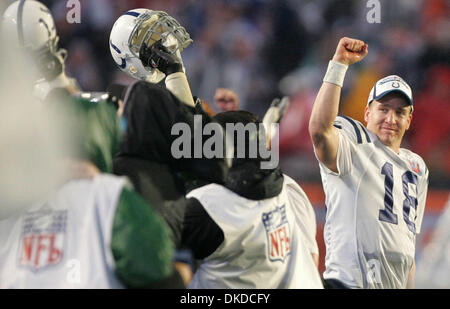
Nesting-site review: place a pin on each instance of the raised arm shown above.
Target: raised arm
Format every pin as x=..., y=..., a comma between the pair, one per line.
x=158, y=56
x=323, y=134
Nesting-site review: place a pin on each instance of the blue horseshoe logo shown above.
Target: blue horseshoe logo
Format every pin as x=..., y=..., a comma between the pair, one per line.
x=395, y=85
x=124, y=62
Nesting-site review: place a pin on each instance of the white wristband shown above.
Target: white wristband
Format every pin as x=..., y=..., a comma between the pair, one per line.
x=335, y=73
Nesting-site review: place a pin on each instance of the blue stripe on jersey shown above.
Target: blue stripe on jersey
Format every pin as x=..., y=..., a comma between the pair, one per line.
x=365, y=133
x=135, y=14
x=358, y=134
x=337, y=126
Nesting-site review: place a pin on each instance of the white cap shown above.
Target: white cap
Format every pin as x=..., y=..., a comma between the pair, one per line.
x=390, y=84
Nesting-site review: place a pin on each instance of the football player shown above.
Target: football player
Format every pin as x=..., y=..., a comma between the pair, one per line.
x=29, y=26
x=375, y=190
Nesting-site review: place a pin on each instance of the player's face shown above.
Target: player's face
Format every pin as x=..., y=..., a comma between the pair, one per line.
x=389, y=118
x=226, y=99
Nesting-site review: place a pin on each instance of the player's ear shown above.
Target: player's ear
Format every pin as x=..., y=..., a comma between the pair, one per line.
x=366, y=113
x=410, y=117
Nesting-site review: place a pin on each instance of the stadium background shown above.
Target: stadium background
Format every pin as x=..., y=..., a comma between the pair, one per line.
x=267, y=48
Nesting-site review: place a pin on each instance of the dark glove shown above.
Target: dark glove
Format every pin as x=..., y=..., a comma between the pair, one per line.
x=157, y=56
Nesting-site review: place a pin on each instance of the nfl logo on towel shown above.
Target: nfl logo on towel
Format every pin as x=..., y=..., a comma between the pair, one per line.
x=42, y=239
x=278, y=234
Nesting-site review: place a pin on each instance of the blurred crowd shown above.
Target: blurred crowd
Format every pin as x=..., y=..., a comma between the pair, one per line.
x=267, y=48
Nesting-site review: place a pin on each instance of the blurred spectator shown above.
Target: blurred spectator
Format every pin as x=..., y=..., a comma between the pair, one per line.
x=430, y=131
x=226, y=100
x=83, y=66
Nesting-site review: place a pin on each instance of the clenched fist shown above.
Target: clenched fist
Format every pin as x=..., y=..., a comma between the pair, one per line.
x=350, y=51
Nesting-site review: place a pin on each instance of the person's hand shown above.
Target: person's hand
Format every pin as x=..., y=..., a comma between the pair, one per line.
x=158, y=56
x=275, y=112
x=226, y=99
x=350, y=51
x=185, y=272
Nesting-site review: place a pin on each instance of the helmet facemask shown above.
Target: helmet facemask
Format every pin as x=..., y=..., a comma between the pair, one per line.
x=50, y=60
x=154, y=26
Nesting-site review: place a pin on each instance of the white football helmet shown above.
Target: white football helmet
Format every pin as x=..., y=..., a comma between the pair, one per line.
x=143, y=26
x=29, y=26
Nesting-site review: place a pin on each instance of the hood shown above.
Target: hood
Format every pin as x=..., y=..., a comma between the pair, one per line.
x=250, y=181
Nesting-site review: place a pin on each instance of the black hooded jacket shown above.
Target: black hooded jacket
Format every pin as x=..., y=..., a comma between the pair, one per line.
x=145, y=157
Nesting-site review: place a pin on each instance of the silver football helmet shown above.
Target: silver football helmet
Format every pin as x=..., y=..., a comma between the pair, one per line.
x=142, y=26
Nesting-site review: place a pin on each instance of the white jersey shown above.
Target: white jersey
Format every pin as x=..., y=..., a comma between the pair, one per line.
x=263, y=246
x=433, y=269
x=64, y=242
x=375, y=206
